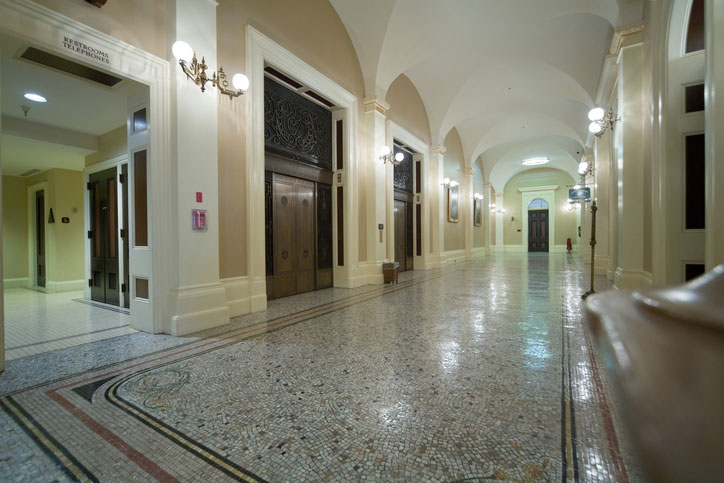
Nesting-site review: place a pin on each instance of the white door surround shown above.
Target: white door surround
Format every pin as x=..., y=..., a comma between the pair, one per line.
x=47, y=30
x=547, y=194
x=261, y=51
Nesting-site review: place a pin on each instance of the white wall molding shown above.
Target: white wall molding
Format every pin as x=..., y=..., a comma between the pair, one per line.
x=196, y=308
x=237, y=295
x=65, y=285
x=16, y=282
x=630, y=279
x=453, y=256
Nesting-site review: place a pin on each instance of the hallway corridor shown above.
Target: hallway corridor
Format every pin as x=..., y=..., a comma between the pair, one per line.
x=479, y=371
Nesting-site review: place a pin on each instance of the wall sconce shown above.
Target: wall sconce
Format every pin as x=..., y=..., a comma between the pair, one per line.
x=496, y=210
x=601, y=120
x=387, y=157
x=477, y=196
x=197, y=72
x=585, y=166
x=449, y=183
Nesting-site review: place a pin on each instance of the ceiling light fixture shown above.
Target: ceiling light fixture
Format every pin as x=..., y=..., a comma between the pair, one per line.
x=31, y=96
x=386, y=156
x=601, y=120
x=197, y=72
x=535, y=161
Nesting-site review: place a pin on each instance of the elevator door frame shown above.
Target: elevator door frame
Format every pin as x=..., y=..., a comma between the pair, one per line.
x=408, y=230
x=284, y=167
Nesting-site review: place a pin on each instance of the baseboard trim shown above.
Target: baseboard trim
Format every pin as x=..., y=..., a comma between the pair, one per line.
x=16, y=282
x=238, y=298
x=198, y=308
x=479, y=252
x=630, y=279
x=451, y=257
x=65, y=286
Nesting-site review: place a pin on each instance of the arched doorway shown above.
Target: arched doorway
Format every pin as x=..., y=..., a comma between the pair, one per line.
x=538, y=225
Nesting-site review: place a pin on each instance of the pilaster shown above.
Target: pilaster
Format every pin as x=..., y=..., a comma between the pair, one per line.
x=487, y=196
x=438, y=210
x=714, y=133
x=630, y=160
x=197, y=300
x=601, y=194
x=377, y=187
x=466, y=209
x=499, y=217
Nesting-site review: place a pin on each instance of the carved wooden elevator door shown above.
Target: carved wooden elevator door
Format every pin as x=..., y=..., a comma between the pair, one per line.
x=538, y=231
x=294, y=254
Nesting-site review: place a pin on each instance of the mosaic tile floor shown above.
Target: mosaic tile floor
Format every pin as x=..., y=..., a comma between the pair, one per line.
x=37, y=322
x=477, y=372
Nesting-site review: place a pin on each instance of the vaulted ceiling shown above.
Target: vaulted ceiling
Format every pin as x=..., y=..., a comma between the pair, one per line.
x=516, y=78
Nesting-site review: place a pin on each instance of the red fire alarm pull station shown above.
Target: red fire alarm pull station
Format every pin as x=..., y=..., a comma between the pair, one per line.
x=199, y=197
x=198, y=220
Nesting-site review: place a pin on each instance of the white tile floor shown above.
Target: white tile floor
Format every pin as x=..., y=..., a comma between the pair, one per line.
x=37, y=322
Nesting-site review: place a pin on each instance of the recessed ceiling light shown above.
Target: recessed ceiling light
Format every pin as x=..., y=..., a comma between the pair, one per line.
x=535, y=161
x=35, y=97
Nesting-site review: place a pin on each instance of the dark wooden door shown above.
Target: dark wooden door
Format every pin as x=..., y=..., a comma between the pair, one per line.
x=40, y=238
x=538, y=231
x=125, y=286
x=400, y=234
x=294, y=237
x=105, y=281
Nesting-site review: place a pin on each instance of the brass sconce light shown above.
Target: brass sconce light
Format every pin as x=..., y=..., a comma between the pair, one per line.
x=387, y=157
x=601, y=120
x=197, y=72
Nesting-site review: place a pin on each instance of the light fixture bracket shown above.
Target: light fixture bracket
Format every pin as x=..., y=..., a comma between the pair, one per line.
x=196, y=72
x=606, y=122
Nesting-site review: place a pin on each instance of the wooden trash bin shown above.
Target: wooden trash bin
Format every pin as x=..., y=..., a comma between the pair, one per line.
x=390, y=271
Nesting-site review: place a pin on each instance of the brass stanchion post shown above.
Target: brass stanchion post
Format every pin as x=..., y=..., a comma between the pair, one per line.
x=594, y=208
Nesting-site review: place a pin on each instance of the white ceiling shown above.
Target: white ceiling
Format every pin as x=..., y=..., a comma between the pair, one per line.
x=74, y=104
x=503, y=72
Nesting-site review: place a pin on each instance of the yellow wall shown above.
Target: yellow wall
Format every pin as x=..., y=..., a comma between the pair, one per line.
x=138, y=22
x=65, y=242
x=454, y=162
x=15, y=227
x=407, y=108
x=565, y=221
x=110, y=145
x=321, y=41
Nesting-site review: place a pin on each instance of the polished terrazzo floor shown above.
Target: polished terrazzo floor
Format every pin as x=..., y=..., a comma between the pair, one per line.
x=476, y=372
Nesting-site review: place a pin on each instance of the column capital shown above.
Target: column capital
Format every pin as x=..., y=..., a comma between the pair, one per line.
x=437, y=150
x=376, y=104
x=625, y=36
x=467, y=171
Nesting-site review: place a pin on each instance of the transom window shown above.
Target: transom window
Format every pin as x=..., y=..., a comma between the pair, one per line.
x=538, y=204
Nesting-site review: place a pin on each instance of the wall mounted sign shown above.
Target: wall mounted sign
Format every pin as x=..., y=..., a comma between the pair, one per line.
x=580, y=194
x=198, y=220
x=87, y=50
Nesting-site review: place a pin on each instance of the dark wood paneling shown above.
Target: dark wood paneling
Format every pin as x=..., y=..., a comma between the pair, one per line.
x=325, y=256
x=104, y=262
x=538, y=231
x=295, y=127
x=40, y=238
x=408, y=237
x=126, y=288
x=283, y=77
x=400, y=239
x=69, y=67
x=418, y=177
x=140, y=198
x=340, y=144
x=305, y=228
x=340, y=226
x=287, y=167
x=418, y=229
x=695, y=179
x=284, y=276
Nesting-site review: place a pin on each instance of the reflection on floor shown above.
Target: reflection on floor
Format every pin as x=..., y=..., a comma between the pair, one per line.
x=478, y=371
x=37, y=322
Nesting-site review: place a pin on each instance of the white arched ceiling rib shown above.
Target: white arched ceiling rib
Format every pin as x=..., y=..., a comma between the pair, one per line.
x=508, y=164
x=366, y=23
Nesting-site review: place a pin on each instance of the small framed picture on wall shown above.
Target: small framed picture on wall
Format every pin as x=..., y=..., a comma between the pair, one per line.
x=478, y=212
x=453, y=204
